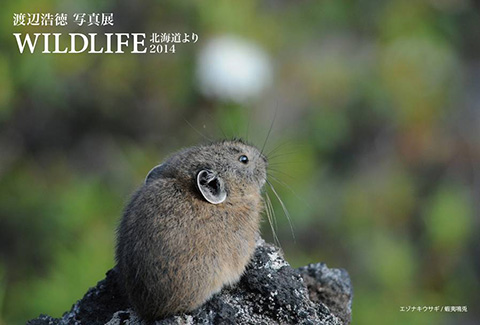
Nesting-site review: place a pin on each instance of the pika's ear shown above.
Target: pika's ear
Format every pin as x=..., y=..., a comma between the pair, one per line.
x=154, y=173
x=211, y=186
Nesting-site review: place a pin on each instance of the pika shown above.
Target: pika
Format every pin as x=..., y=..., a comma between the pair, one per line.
x=191, y=228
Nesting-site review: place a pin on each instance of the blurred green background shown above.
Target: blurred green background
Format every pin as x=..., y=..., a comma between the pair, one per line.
x=375, y=145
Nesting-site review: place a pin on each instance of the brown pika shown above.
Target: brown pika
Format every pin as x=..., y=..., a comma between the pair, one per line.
x=191, y=228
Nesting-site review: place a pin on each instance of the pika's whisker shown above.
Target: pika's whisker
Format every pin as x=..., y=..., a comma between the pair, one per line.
x=269, y=130
x=289, y=188
x=282, y=154
x=283, y=184
x=271, y=216
x=292, y=149
x=281, y=163
x=285, y=211
x=196, y=130
x=277, y=148
x=279, y=171
x=274, y=217
x=248, y=123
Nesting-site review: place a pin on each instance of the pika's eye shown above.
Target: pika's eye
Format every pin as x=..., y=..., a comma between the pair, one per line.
x=243, y=159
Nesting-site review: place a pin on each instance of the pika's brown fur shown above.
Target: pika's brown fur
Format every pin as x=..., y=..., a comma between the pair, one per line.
x=175, y=249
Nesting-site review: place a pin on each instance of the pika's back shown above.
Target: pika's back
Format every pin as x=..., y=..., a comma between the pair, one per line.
x=191, y=228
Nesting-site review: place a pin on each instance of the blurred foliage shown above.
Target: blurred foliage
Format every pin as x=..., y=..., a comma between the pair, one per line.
x=375, y=146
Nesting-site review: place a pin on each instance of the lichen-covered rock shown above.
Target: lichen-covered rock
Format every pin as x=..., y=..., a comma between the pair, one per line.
x=331, y=287
x=270, y=292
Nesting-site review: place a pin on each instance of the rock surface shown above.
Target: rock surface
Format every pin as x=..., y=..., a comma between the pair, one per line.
x=270, y=292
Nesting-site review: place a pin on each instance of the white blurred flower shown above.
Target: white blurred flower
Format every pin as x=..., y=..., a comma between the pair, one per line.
x=230, y=68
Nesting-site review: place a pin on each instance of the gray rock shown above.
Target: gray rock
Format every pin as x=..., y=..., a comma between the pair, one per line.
x=270, y=292
x=331, y=287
